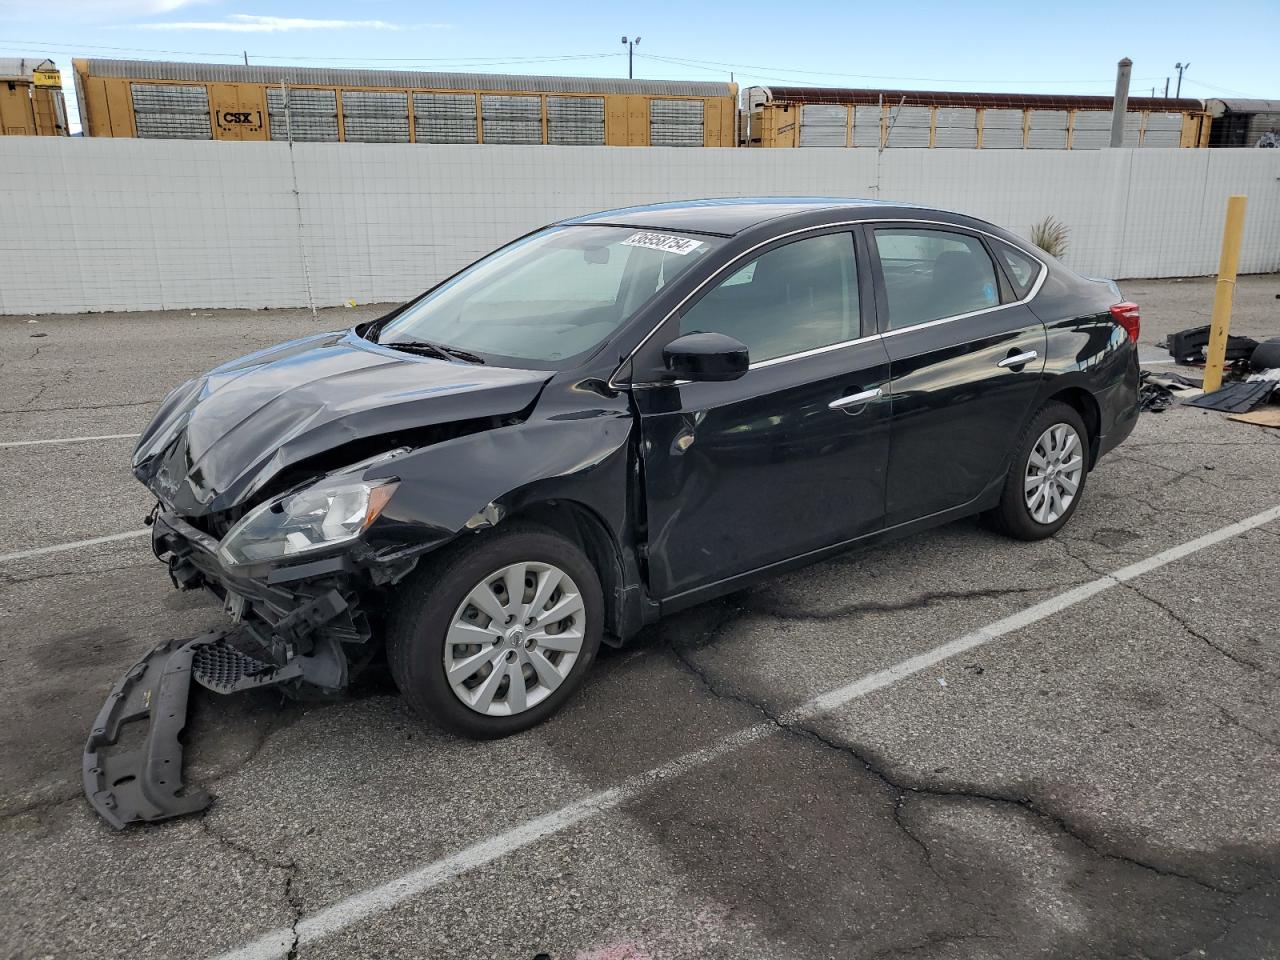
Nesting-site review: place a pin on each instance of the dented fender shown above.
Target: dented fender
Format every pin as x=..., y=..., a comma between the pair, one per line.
x=476, y=481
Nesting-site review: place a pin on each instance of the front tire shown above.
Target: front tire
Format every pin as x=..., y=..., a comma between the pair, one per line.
x=498, y=632
x=1047, y=476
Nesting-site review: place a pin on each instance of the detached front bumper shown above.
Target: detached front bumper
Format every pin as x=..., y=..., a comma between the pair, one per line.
x=305, y=615
x=295, y=628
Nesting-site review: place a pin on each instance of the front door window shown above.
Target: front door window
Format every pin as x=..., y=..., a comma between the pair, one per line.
x=795, y=298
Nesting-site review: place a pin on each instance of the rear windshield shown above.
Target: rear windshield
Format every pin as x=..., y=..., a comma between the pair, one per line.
x=550, y=298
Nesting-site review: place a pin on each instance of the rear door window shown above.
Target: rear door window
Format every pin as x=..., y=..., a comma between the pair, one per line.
x=934, y=274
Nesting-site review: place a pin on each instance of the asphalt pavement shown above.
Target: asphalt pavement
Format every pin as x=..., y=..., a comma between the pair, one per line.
x=952, y=746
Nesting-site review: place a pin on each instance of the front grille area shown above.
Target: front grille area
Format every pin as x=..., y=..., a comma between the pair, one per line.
x=214, y=525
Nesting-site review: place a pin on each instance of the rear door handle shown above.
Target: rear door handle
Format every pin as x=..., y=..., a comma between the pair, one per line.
x=1018, y=359
x=854, y=399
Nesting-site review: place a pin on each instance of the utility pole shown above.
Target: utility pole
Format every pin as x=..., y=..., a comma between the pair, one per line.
x=246, y=58
x=1121, y=102
x=1166, y=88
x=1180, y=67
x=631, y=46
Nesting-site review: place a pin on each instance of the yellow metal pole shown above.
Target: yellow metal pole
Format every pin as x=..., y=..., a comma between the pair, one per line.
x=1223, y=293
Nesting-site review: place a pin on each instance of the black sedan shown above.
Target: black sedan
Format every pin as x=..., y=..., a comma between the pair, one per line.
x=616, y=417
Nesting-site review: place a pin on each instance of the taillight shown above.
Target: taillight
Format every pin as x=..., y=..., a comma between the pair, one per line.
x=1126, y=314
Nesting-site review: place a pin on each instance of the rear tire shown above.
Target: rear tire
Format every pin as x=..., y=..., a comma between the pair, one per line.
x=1266, y=355
x=1047, y=475
x=457, y=616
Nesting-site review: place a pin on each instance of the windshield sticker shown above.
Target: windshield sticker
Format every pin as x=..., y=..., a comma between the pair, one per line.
x=662, y=241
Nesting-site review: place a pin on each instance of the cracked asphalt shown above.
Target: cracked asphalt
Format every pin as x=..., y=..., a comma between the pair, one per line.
x=1102, y=783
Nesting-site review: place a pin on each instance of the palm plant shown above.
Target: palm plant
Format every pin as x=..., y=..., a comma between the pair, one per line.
x=1050, y=235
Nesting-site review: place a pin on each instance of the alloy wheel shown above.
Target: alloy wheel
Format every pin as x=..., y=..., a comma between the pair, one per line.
x=514, y=638
x=1054, y=469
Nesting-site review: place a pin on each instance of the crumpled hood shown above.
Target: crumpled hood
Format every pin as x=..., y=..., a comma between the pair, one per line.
x=219, y=438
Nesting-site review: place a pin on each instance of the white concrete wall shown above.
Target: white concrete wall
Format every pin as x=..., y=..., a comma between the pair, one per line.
x=90, y=225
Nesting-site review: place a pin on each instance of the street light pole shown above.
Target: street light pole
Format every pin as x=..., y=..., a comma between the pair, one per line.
x=1180, y=67
x=631, y=46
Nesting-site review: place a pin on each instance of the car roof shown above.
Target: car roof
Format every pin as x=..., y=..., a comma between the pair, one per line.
x=727, y=216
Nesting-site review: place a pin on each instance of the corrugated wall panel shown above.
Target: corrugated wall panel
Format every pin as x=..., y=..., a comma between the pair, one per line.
x=1263, y=130
x=909, y=126
x=956, y=127
x=1092, y=129
x=676, y=123
x=1001, y=129
x=370, y=117
x=312, y=115
x=511, y=119
x=823, y=125
x=866, y=126
x=171, y=110
x=1163, y=130
x=444, y=117
x=1047, y=129
x=575, y=120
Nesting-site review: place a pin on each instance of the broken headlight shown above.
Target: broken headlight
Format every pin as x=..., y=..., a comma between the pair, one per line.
x=320, y=516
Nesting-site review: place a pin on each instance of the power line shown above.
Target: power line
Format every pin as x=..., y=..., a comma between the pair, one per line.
x=859, y=76
x=42, y=46
x=1217, y=89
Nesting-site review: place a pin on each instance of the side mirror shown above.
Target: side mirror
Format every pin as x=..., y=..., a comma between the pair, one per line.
x=706, y=356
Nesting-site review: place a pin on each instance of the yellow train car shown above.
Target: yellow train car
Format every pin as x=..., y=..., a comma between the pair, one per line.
x=205, y=101
x=31, y=100
x=834, y=117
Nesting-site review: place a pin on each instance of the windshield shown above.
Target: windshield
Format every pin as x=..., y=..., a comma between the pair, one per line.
x=549, y=298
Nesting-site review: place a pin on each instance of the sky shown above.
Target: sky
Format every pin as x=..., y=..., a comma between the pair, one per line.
x=1024, y=47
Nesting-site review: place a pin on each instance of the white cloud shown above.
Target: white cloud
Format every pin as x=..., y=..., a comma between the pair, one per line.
x=94, y=10
x=249, y=23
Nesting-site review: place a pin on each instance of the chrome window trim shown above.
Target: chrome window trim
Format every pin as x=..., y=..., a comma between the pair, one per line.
x=1035, y=288
x=812, y=353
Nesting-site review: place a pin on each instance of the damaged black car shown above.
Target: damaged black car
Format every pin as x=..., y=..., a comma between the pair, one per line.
x=603, y=422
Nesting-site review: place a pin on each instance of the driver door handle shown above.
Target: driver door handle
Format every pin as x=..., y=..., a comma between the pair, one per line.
x=1018, y=359
x=854, y=399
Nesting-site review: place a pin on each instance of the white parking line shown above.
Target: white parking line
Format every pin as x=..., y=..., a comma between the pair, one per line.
x=40, y=443
x=361, y=906
x=74, y=545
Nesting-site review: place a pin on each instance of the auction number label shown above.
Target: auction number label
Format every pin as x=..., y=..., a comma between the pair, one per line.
x=665, y=242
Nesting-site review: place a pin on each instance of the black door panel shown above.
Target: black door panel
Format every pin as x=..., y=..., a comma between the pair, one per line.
x=742, y=474
x=956, y=411
x=964, y=368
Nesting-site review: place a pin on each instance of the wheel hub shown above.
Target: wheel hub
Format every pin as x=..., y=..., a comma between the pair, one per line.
x=514, y=638
x=1055, y=468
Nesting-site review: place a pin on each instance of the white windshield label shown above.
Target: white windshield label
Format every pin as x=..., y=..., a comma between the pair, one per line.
x=662, y=241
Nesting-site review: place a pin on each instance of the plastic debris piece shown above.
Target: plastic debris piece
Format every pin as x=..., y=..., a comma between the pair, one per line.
x=1239, y=397
x=1154, y=398
x=1188, y=346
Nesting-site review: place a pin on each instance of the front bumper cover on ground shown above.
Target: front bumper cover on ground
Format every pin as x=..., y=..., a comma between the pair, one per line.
x=291, y=636
x=144, y=783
